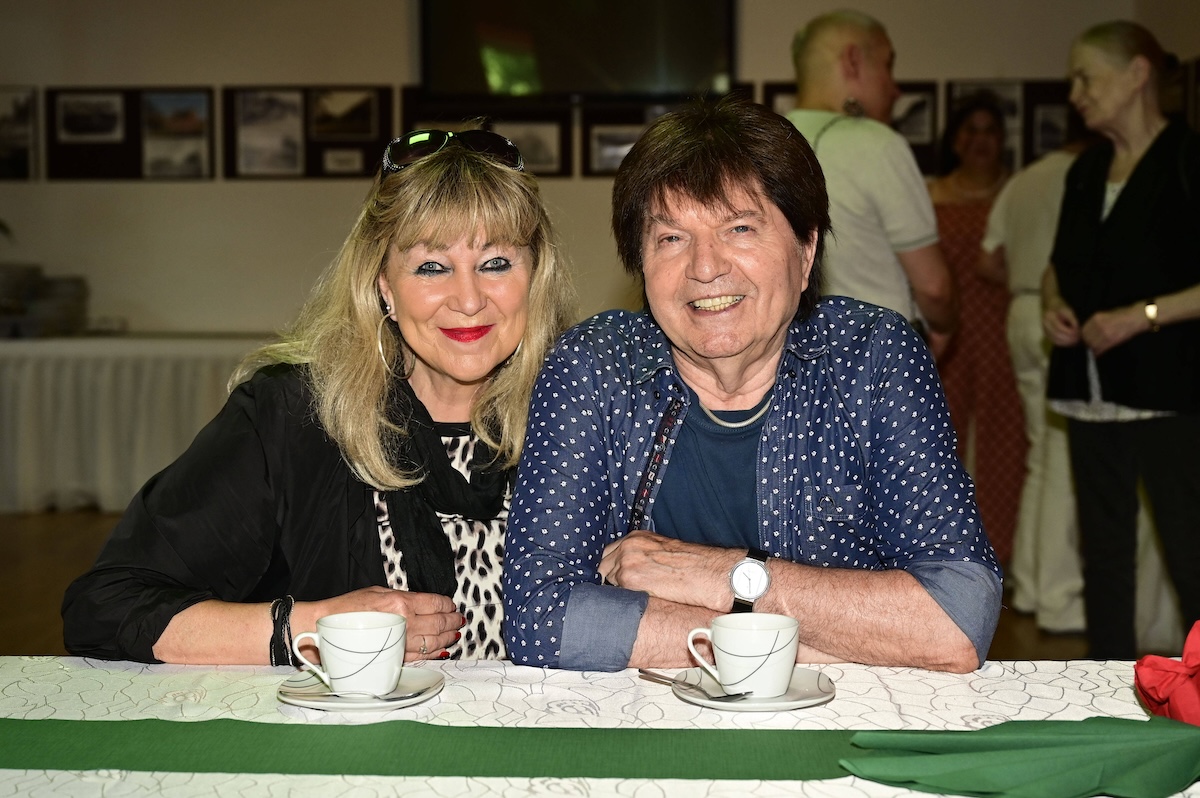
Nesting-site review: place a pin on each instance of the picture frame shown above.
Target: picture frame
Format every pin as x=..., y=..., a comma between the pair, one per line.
x=176, y=134
x=608, y=134
x=779, y=96
x=18, y=132
x=544, y=139
x=123, y=133
x=268, y=132
x=541, y=131
x=1046, y=113
x=289, y=132
x=342, y=114
x=915, y=117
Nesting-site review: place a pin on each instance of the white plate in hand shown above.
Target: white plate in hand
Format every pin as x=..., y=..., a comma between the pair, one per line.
x=807, y=689
x=306, y=690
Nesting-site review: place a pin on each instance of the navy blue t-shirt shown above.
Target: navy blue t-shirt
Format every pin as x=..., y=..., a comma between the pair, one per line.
x=707, y=493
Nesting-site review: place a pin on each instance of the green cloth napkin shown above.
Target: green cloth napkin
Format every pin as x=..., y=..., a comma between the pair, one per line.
x=1037, y=758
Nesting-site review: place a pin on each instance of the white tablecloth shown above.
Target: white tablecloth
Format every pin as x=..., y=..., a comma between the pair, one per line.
x=88, y=420
x=504, y=695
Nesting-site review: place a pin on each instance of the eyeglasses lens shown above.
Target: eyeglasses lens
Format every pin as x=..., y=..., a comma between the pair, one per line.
x=416, y=145
x=412, y=147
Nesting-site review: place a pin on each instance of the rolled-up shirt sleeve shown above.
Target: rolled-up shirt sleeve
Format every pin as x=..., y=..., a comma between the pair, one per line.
x=969, y=592
x=601, y=627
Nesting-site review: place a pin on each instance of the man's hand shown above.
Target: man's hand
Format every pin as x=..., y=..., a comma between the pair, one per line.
x=670, y=569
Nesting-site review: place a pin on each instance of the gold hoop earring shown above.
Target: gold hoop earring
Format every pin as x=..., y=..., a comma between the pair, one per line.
x=379, y=337
x=404, y=375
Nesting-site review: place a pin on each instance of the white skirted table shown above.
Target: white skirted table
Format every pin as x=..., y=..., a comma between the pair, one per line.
x=494, y=729
x=86, y=421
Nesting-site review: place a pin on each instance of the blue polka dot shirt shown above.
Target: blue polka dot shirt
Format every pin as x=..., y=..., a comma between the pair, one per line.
x=856, y=468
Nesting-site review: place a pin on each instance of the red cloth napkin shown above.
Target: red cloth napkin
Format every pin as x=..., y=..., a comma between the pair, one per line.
x=1171, y=687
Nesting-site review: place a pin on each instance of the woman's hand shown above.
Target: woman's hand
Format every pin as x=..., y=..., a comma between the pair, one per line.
x=1109, y=328
x=433, y=620
x=1061, y=326
x=1058, y=318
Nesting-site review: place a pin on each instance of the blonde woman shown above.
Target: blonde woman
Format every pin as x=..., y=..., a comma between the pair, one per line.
x=365, y=461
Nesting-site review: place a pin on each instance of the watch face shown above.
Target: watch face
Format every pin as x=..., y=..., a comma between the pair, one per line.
x=749, y=579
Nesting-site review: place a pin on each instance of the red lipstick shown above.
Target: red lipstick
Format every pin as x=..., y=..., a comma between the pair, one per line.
x=466, y=334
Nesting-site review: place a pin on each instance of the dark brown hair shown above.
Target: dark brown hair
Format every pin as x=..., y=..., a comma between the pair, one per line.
x=708, y=149
x=963, y=110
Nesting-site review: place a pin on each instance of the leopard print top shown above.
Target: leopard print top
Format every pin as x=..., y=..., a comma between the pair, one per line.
x=478, y=555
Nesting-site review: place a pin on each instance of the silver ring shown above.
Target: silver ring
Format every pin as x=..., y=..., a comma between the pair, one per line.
x=423, y=649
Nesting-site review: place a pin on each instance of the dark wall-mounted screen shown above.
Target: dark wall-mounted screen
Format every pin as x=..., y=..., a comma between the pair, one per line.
x=576, y=48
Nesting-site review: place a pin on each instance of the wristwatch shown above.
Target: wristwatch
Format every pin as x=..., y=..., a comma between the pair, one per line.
x=749, y=580
x=1152, y=314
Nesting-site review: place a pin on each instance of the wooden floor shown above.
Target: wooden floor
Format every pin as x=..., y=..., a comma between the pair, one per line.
x=46, y=551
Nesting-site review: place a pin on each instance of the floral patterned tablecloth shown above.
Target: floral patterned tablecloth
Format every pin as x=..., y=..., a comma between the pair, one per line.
x=499, y=694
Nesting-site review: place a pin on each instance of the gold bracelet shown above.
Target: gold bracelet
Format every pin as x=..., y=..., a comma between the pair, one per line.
x=1152, y=315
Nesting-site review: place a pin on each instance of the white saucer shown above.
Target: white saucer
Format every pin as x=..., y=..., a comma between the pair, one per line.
x=807, y=689
x=306, y=690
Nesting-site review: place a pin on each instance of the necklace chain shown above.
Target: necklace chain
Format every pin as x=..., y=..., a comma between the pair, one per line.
x=736, y=424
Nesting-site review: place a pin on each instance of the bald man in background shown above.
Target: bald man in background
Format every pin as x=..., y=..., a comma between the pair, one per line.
x=884, y=247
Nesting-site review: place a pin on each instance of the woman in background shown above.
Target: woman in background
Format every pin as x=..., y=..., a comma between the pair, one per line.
x=365, y=461
x=1121, y=302
x=976, y=370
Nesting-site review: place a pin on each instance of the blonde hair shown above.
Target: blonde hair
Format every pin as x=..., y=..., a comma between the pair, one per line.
x=437, y=200
x=805, y=40
x=1124, y=41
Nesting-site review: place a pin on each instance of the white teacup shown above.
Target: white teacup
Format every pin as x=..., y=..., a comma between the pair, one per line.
x=363, y=652
x=755, y=651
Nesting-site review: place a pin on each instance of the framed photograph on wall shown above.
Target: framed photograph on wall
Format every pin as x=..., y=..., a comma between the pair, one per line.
x=159, y=133
x=90, y=117
x=915, y=116
x=1046, y=114
x=1010, y=95
x=541, y=131
x=176, y=134
x=343, y=114
x=779, y=96
x=268, y=133
x=305, y=131
x=608, y=134
x=18, y=132
x=544, y=139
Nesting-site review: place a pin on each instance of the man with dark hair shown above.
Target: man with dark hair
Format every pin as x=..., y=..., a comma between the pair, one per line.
x=742, y=445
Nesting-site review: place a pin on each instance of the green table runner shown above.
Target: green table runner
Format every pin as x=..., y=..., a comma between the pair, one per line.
x=409, y=748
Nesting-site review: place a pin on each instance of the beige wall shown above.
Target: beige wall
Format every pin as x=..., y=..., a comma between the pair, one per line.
x=241, y=255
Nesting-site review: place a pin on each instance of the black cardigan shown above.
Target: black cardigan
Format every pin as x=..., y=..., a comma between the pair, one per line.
x=259, y=506
x=1148, y=246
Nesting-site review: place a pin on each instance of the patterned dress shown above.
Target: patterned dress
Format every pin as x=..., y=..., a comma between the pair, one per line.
x=478, y=555
x=977, y=374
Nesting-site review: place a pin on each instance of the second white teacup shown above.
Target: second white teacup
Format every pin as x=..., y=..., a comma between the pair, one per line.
x=363, y=652
x=755, y=651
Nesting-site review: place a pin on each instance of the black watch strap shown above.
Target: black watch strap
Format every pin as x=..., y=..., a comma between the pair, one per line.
x=740, y=604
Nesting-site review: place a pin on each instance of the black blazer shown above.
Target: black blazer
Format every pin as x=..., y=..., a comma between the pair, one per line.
x=260, y=505
x=1147, y=247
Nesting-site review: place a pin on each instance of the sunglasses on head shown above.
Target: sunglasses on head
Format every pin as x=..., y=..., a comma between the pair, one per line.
x=413, y=146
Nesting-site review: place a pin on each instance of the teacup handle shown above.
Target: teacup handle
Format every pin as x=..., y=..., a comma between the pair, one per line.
x=316, y=638
x=708, y=668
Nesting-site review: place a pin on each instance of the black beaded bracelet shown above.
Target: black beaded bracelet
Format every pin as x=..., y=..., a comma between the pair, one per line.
x=281, y=634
